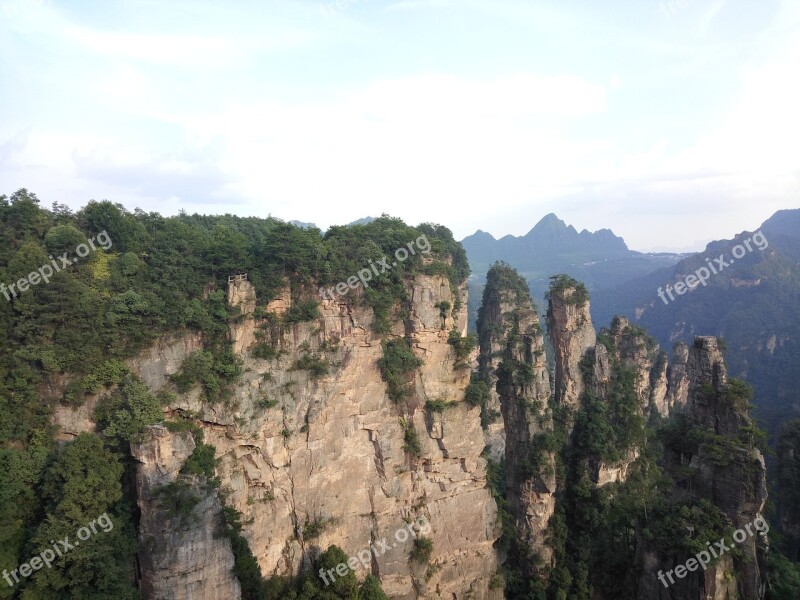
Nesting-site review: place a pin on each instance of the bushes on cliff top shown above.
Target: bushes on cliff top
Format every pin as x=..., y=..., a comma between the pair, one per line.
x=560, y=283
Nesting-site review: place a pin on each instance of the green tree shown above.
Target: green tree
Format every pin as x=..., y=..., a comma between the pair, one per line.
x=80, y=487
x=128, y=411
x=63, y=238
x=371, y=589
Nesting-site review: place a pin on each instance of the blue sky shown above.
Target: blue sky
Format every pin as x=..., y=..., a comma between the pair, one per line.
x=671, y=123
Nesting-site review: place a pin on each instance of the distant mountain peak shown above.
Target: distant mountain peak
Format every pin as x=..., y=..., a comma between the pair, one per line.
x=549, y=222
x=551, y=243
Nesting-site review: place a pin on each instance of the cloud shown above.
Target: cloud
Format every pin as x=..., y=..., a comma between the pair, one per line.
x=12, y=147
x=191, y=176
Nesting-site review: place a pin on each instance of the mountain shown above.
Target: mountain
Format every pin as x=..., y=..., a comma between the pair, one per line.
x=753, y=303
x=302, y=224
x=599, y=259
x=362, y=221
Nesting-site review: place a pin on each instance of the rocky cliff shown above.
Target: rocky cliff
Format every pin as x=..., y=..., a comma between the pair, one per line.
x=183, y=556
x=513, y=363
x=315, y=458
x=712, y=457
x=617, y=477
x=314, y=453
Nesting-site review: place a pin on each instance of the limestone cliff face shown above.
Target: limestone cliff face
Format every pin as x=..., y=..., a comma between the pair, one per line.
x=183, y=555
x=512, y=360
x=325, y=454
x=315, y=461
x=724, y=469
x=569, y=325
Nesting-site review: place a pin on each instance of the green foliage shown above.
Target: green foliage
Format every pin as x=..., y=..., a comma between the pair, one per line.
x=542, y=444
x=20, y=473
x=202, y=462
x=215, y=370
x=423, y=548
x=784, y=577
x=124, y=414
x=105, y=375
x=436, y=406
x=411, y=443
x=477, y=392
x=371, y=589
x=738, y=395
x=63, y=238
x=313, y=529
x=608, y=427
x=444, y=309
x=178, y=499
x=684, y=529
x=397, y=365
x=162, y=275
x=559, y=284
x=245, y=566
x=266, y=403
x=463, y=347
x=348, y=250
x=788, y=483
x=304, y=310
x=342, y=587
x=315, y=365
x=81, y=485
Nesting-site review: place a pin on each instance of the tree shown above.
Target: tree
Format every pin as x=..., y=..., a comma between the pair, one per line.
x=82, y=487
x=128, y=411
x=345, y=587
x=63, y=238
x=371, y=589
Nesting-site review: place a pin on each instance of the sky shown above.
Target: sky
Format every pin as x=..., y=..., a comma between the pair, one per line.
x=672, y=123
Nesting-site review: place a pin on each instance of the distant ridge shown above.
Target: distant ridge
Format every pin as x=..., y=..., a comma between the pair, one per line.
x=362, y=221
x=600, y=259
x=550, y=236
x=303, y=225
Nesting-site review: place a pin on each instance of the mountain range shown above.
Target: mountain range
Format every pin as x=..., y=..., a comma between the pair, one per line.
x=599, y=259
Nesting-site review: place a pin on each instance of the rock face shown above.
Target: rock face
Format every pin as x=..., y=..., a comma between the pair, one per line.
x=183, y=555
x=569, y=325
x=513, y=362
x=153, y=366
x=326, y=454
